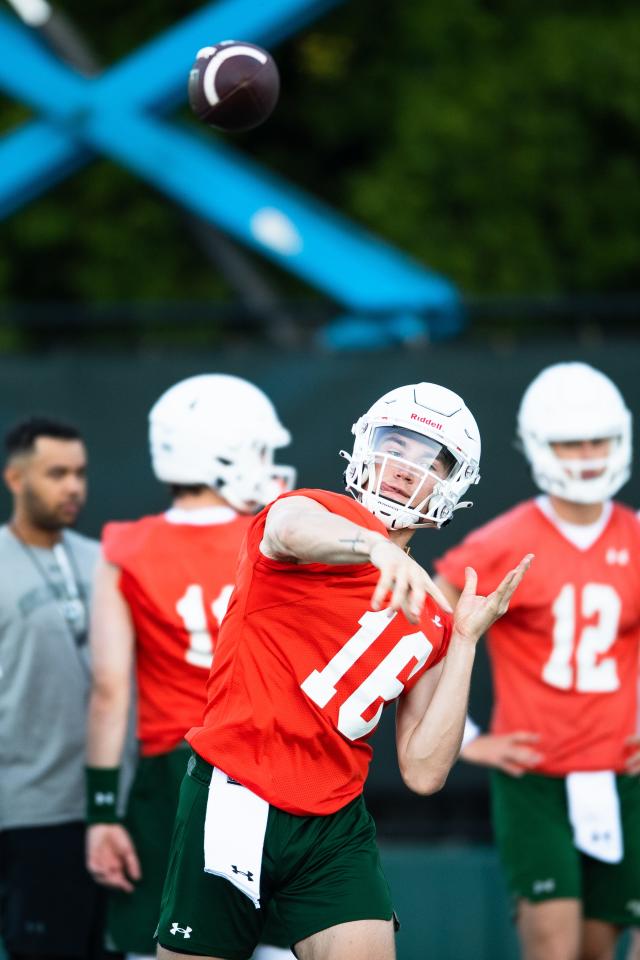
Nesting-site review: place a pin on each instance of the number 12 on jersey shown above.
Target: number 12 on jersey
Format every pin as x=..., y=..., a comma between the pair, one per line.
x=593, y=672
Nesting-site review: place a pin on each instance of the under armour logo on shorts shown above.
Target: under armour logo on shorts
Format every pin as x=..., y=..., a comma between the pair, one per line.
x=248, y=874
x=185, y=931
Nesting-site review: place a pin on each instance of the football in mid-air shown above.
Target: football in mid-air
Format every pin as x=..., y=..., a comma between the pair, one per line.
x=233, y=85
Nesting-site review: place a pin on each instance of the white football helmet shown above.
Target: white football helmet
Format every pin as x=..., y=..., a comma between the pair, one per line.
x=221, y=431
x=571, y=402
x=440, y=439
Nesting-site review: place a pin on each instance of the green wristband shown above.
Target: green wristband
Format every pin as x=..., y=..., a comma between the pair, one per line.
x=102, y=794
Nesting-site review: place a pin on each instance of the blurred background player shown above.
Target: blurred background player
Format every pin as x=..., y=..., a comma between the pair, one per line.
x=162, y=588
x=49, y=904
x=271, y=809
x=565, y=670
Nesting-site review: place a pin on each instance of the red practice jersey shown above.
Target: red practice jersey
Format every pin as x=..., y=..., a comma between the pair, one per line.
x=565, y=655
x=303, y=670
x=177, y=579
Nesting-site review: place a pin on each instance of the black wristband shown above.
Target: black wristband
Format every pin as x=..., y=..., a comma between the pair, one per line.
x=102, y=794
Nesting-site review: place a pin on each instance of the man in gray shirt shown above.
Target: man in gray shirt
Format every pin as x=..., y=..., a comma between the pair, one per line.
x=49, y=905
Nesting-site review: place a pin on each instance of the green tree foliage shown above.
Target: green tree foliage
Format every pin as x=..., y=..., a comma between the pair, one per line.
x=495, y=141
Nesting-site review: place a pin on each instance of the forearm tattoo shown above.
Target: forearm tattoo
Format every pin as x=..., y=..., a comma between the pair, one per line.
x=358, y=543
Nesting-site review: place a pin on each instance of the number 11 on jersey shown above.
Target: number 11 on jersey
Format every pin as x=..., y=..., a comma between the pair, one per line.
x=192, y=612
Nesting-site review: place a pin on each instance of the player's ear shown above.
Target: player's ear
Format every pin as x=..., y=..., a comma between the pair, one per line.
x=13, y=475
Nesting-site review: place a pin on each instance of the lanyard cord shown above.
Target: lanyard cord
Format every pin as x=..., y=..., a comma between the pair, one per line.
x=74, y=605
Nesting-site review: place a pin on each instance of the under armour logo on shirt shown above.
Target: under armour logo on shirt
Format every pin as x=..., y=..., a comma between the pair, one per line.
x=248, y=874
x=185, y=931
x=620, y=557
x=437, y=620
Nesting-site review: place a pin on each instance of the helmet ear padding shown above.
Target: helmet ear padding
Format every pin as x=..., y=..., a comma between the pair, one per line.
x=570, y=402
x=221, y=431
x=430, y=412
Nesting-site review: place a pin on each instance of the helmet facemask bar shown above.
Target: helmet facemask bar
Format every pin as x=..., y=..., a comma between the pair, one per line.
x=565, y=477
x=426, y=491
x=250, y=479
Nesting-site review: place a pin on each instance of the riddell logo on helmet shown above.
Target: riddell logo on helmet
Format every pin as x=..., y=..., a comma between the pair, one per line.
x=427, y=421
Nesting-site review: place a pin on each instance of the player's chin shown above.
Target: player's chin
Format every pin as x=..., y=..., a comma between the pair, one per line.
x=67, y=516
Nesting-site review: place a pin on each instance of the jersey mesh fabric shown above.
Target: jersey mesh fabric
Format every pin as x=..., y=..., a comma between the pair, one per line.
x=176, y=579
x=286, y=622
x=565, y=655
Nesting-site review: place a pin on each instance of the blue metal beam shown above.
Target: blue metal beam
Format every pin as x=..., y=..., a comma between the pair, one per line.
x=271, y=216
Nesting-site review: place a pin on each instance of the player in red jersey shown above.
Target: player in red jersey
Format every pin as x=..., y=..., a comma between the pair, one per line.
x=330, y=621
x=162, y=589
x=565, y=668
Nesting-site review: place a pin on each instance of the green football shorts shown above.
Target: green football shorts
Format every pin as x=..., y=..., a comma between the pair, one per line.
x=535, y=842
x=317, y=871
x=151, y=812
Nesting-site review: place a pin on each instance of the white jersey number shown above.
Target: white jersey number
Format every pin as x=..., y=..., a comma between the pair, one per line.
x=381, y=686
x=592, y=673
x=192, y=612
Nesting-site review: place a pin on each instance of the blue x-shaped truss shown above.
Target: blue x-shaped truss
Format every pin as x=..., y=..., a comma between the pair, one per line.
x=118, y=114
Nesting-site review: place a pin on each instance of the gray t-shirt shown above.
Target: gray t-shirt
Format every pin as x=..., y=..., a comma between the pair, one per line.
x=44, y=679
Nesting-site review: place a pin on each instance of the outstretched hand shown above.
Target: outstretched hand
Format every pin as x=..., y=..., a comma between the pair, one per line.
x=405, y=580
x=475, y=614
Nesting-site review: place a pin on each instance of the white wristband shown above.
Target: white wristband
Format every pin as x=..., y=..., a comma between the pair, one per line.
x=471, y=731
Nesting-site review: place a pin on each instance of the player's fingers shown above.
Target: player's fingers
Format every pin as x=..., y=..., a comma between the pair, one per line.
x=470, y=581
x=525, y=757
x=511, y=768
x=93, y=862
x=434, y=591
x=118, y=879
x=518, y=573
x=632, y=764
x=119, y=874
x=632, y=761
x=513, y=578
x=400, y=594
x=416, y=599
x=524, y=736
x=633, y=741
x=410, y=610
x=99, y=858
x=110, y=873
x=132, y=865
x=503, y=593
x=383, y=586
